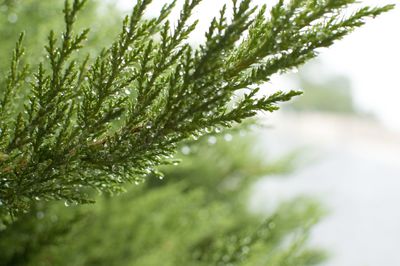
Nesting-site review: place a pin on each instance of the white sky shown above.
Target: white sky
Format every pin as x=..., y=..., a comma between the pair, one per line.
x=370, y=57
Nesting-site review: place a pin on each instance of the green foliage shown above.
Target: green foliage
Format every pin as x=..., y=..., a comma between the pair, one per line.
x=197, y=215
x=35, y=18
x=96, y=122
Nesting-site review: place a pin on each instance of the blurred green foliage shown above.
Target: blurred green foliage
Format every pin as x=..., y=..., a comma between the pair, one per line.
x=196, y=215
x=35, y=18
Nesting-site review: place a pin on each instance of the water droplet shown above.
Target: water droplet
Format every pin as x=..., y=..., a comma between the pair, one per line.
x=228, y=137
x=66, y=204
x=185, y=150
x=40, y=215
x=12, y=18
x=278, y=56
x=271, y=225
x=245, y=249
x=212, y=140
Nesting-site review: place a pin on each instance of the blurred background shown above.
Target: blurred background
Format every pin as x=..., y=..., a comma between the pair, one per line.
x=349, y=119
x=315, y=183
x=347, y=126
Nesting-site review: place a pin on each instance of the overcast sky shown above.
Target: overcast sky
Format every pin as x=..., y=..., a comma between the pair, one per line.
x=370, y=57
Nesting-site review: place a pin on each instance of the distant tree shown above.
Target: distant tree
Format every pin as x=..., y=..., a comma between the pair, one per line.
x=329, y=93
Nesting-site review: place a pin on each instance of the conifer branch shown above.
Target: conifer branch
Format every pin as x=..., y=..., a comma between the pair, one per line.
x=95, y=124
